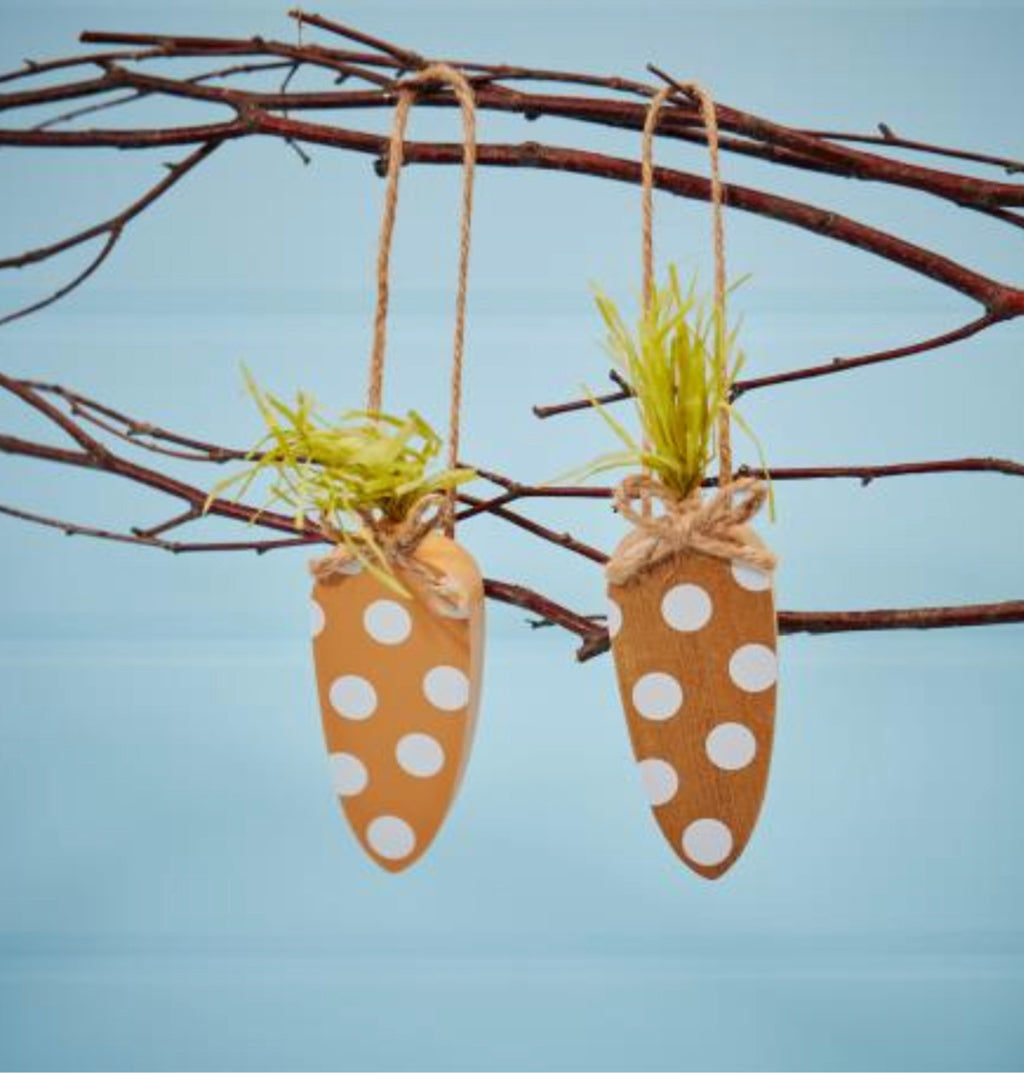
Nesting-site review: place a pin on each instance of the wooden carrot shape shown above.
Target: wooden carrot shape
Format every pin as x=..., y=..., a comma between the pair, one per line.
x=397, y=614
x=397, y=604
x=694, y=642
x=691, y=610
x=399, y=684
x=399, y=672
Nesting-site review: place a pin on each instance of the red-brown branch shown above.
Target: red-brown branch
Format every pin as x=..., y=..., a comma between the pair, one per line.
x=865, y=474
x=111, y=228
x=252, y=117
x=888, y=618
x=790, y=376
x=621, y=103
x=802, y=147
x=93, y=455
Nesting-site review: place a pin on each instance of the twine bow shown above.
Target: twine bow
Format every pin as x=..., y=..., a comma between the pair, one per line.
x=713, y=526
x=394, y=545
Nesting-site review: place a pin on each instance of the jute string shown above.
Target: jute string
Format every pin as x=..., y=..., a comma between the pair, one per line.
x=713, y=527
x=394, y=543
x=409, y=91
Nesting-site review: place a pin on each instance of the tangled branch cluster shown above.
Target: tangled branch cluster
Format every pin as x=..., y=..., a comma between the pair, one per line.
x=361, y=72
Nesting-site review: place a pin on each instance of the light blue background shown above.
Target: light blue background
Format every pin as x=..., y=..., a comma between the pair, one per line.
x=177, y=889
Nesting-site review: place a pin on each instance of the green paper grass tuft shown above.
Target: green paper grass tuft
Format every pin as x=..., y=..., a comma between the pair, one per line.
x=681, y=366
x=365, y=468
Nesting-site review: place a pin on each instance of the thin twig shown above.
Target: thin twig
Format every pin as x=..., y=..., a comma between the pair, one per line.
x=112, y=228
x=807, y=372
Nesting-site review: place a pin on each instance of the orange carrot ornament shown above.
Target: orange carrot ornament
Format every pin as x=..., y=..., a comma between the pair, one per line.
x=398, y=608
x=399, y=672
x=691, y=607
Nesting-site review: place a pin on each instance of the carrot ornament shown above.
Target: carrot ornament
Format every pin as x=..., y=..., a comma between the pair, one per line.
x=691, y=607
x=398, y=610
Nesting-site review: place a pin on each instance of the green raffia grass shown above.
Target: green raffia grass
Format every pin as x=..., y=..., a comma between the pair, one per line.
x=680, y=364
x=363, y=468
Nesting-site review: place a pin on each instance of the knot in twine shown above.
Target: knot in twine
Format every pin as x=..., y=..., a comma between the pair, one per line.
x=712, y=526
x=396, y=543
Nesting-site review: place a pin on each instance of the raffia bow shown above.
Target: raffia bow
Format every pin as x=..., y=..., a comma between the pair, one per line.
x=393, y=545
x=712, y=526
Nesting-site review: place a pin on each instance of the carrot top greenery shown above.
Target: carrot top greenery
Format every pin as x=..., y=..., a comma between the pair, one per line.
x=351, y=475
x=680, y=365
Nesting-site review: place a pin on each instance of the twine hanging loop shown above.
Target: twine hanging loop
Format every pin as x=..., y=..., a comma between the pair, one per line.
x=408, y=92
x=715, y=526
x=381, y=539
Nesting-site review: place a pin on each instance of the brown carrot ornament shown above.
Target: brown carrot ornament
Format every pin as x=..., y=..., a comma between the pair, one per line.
x=691, y=607
x=398, y=610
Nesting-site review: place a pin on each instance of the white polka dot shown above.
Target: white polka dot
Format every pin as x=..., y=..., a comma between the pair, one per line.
x=614, y=618
x=353, y=697
x=731, y=746
x=387, y=622
x=660, y=780
x=657, y=695
x=707, y=842
x=317, y=619
x=420, y=755
x=391, y=838
x=446, y=688
x=753, y=668
x=750, y=578
x=348, y=774
x=686, y=607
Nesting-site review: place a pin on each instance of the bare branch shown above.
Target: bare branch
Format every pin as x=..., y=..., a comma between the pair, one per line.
x=67, y=288
x=404, y=56
x=112, y=228
x=809, y=372
x=911, y=618
x=95, y=428
x=887, y=138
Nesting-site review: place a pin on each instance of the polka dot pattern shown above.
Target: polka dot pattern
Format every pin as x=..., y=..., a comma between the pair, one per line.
x=659, y=779
x=387, y=622
x=446, y=688
x=753, y=668
x=750, y=578
x=348, y=774
x=391, y=837
x=420, y=755
x=316, y=618
x=398, y=694
x=353, y=697
x=695, y=659
x=614, y=619
x=731, y=746
x=686, y=607
x=707, y=842
x=657, y=696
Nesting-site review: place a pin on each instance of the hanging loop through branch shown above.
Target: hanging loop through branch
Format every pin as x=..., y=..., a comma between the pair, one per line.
x=709, y=115
x=716, y=526
x=408, y=92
